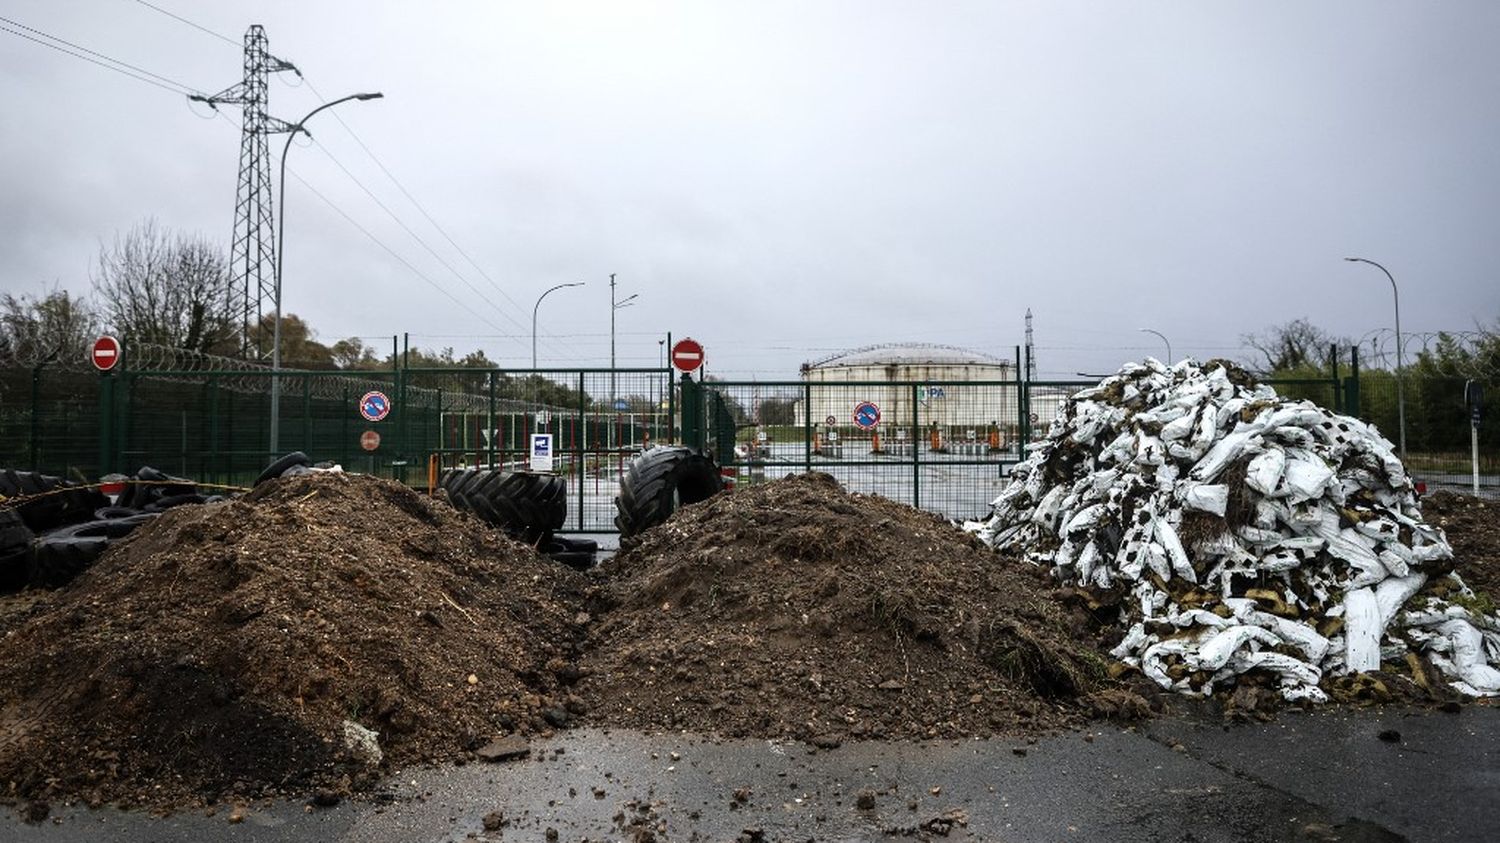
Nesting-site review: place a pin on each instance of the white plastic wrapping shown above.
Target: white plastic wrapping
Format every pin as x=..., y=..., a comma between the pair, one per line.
x=1200, y=492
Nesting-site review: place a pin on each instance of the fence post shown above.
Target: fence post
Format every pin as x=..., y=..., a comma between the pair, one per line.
x=489, y=430
x=807, y=426
x=692, y=414
x=36, y=388
x=1351, y=384
x=215, y=474
x=916, y=448
x=579, y=447
x=106, y=422
x=1333, y=363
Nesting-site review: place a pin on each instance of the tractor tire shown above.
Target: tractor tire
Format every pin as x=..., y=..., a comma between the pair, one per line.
x=58, y=560
x=275, y=469
x=15, y=551
x=458, y=487
x=104, y=513
x=658, y=482
x=528, y=505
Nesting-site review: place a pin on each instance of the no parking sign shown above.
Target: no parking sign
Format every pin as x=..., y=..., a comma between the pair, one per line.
x=866, y=415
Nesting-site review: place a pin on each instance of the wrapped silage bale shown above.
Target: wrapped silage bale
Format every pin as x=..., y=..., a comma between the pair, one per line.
x=1248, y=532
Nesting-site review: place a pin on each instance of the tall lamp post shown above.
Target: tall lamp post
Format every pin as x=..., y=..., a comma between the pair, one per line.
x=1163, y=339
x=291, y=132
x=533, y=315
x=614, y=306
x=1400, y=378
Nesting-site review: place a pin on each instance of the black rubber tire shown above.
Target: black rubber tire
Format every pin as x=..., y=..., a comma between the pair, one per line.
x=106, y=512
x=106, y=528
x=296, y=471
x=166, y=503
x=576, y=559
x=15, y=551
x=529, y=505
x=275, y=469
x=578, y=545
x=57, y=561
x=459, y=486
x=40, y=513
x=658, y=482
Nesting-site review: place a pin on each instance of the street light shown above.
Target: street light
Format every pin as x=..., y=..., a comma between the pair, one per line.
x=1163, y=339
x=533, y=316
x=614, y=306
x=1400, y=379
x=291, y=132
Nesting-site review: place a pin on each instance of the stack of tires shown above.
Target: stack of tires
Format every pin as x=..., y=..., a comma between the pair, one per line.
x=64, y=548
x=528, y=506
x=659, y=481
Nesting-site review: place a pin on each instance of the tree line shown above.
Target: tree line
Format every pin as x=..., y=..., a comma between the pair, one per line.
x=173, y=290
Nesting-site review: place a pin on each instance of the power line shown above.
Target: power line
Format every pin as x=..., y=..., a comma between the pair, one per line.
x=418, y=205
x=377, y=241
x=138, y=73
x=198, y=27
x=414, y=235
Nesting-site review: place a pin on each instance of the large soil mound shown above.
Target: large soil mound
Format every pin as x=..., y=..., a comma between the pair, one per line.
x=796, y=609
x=224, y=650
x=1473, y=528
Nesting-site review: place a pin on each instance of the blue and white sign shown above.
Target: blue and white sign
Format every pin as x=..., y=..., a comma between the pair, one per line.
x=374, y=406
x=621, y=404
x=866, y=415
x=541, y=452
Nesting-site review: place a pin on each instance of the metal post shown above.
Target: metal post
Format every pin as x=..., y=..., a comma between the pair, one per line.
x=916, y=448
x=538, y=304
x=291, y=132
x=578, y=449
x=1333, y=362
x=1400, y=377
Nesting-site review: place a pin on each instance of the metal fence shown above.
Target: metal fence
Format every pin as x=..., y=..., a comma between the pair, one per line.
x=945, y=447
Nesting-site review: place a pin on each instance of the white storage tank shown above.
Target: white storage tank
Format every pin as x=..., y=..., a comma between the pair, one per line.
x=947, y=384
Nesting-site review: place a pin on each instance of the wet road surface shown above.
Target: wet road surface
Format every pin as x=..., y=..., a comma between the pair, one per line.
x=1318, y=776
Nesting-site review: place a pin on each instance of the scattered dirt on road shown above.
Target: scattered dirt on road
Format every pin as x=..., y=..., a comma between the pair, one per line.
x=220, y=652
x=795, y=609
x=1473, y=528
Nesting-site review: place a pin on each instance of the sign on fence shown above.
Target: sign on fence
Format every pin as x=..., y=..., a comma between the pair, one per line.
x=541, y=452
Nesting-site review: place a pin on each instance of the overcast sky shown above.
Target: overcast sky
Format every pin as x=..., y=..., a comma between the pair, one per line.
x=782, y=180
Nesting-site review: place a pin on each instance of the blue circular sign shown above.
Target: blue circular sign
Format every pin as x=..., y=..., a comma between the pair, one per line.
x=866, y=415
x=374, y=406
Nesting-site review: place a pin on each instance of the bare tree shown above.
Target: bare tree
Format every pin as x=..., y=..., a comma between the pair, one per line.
x=165, y=289
x=55, y=326
x=1295, y=345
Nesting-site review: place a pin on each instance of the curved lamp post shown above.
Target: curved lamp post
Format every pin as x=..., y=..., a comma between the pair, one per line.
x=533, y=315
x=1163, y=339
x=1400, y=379
x=291, y=132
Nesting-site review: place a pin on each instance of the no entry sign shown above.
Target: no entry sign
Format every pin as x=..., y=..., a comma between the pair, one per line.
x=369, y=440
x=687, y=354
x=105, y=354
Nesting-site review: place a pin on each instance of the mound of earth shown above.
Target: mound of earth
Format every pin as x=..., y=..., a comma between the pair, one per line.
x=242, y=649
x=796, y=609
x=1471, y=526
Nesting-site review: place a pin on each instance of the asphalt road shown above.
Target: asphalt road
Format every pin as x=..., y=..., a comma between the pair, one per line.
x=1321, y=776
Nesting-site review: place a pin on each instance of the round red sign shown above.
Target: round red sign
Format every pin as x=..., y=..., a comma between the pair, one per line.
x=687, y=354
x=369, y=440
x=105, y=354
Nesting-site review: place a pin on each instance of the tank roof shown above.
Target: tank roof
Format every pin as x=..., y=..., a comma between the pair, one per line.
x=898, y=354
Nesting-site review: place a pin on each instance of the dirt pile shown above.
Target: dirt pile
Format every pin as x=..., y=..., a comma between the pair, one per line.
x=1473, y=528
x=283, y=643
x=796, y=609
